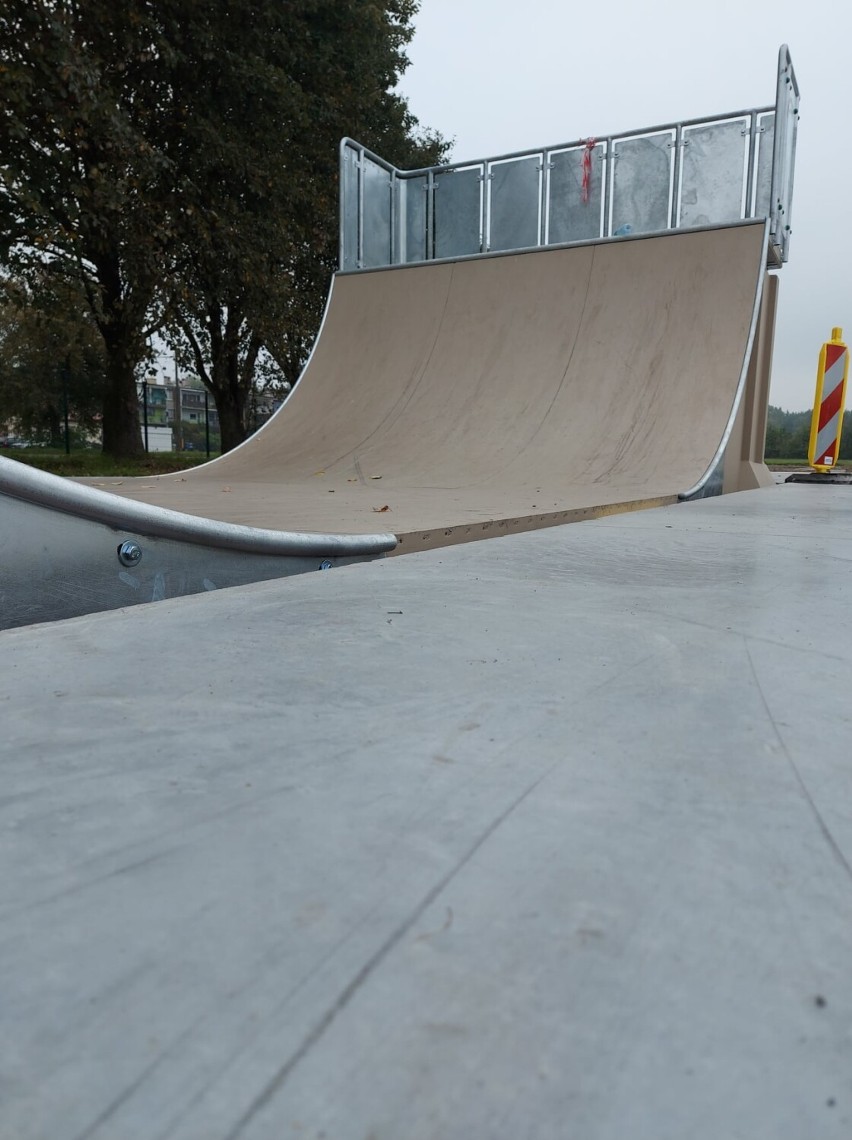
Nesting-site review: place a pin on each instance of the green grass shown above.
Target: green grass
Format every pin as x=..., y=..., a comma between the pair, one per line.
x=783, y=464
x=95, y=463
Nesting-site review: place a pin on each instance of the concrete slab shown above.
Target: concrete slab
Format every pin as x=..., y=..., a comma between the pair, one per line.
x=542, y=837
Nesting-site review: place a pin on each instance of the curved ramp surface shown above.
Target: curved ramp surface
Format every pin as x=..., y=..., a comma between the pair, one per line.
x=455, y=399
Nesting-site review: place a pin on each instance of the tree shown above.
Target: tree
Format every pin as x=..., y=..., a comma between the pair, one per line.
x=259, y=220
x=85, y=136
x=788, y=434
x=51, y=359
x=179, y=158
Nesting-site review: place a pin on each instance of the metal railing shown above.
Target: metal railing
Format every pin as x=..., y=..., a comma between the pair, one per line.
x=699, y=172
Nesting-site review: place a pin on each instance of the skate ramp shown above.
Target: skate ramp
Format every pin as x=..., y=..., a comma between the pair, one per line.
x=443, y=402
x=458, y=399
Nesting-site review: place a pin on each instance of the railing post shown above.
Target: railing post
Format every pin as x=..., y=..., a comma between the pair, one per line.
x=485, y=207
x=359, y=259
x=752, y=166
x=430, y=216
x=145, y=411
x=677, y=177
x=543, y=197
x=608, y=160
x=66, y=369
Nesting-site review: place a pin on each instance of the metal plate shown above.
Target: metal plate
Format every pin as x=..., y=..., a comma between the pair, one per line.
x=786, y=125
x=713, y=173
x=377, y=215
x=458, y=212
x=411, y=198
x=642, y=183
x=575, y=214
x=349, y=238
x=763, y=179
x=514, y=198
x=57, y=566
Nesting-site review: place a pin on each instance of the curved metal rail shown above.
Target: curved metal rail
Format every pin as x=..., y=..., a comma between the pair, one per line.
x=713, y=474
x=19, y=481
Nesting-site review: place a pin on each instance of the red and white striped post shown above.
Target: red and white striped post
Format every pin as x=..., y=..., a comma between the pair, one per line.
x=827, y=421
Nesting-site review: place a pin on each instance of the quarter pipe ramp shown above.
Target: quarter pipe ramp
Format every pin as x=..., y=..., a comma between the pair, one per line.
x=454, y=400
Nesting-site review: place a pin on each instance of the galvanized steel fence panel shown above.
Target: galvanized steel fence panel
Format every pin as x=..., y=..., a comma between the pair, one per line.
x=642, y=183
x=711, y=171
x=575, y=193
x=714, y=173
x=514, y=203
x=457, y=211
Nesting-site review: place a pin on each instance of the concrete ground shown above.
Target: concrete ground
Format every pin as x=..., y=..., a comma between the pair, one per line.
x=543, y=837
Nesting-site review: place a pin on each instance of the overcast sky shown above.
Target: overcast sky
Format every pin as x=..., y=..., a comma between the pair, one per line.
x=505, y=75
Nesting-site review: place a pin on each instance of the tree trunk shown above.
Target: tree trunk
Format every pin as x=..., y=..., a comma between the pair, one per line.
x=122, y=437
x=55, y=426
x=231, y=418
x=230, y=389
x=231, y=371
x=120, y=326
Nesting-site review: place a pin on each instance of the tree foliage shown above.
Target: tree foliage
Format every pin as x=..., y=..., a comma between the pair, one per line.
x=51, y=360
x=788, y=435
x=259, y=159
x=87, y=174
x=179, y=158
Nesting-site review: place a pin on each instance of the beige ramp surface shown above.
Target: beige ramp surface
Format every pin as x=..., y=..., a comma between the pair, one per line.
x=445, y=401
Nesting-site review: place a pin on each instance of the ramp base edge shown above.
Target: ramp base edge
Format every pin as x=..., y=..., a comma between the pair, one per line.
x=436, y=537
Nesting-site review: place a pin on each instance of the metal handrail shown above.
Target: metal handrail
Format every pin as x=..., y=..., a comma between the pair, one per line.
x=444, y=168
x=755, y=122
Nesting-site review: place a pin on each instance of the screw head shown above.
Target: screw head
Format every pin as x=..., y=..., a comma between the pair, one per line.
x=129, y=554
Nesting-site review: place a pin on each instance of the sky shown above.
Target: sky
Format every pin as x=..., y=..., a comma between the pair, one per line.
x=497, y=76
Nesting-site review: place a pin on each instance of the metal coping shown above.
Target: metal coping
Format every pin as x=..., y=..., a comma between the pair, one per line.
x=648, y=235
x=19, y=481
x=741, y=384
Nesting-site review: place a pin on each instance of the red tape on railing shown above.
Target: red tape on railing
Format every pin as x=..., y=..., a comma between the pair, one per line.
x=587, y=168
